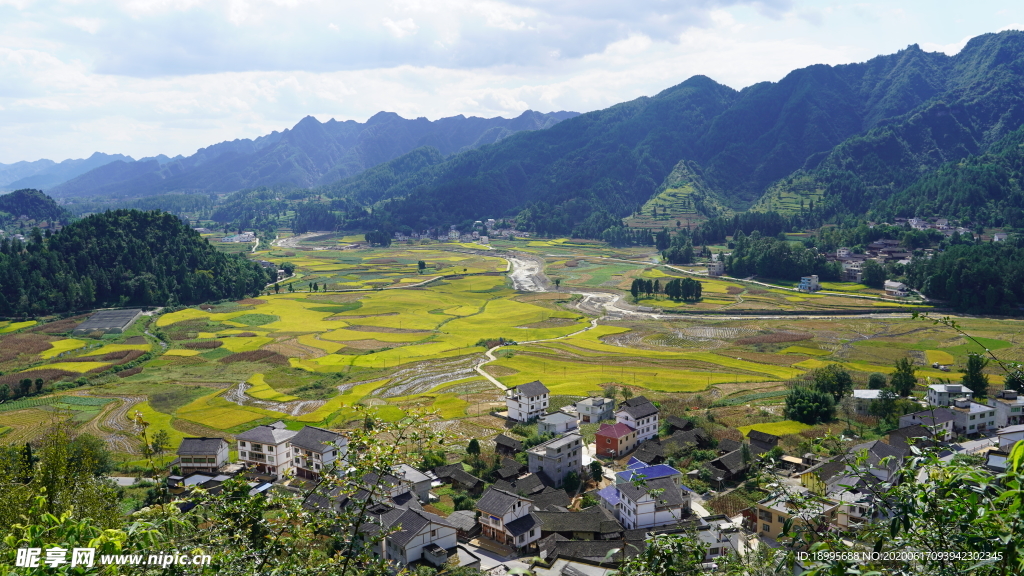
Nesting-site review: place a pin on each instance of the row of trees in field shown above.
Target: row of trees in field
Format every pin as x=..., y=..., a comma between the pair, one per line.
x=687, y=289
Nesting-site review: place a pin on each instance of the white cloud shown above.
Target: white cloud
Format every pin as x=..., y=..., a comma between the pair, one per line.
x=400, y=29
x=90, y=25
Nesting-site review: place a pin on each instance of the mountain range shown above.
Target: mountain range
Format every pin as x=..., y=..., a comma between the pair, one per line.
x=308, y=154
x=853, y=138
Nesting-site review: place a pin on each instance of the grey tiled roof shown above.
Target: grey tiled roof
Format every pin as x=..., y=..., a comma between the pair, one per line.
x=496, y=501
x=534, y=388
x=267, y=434
x=595, y=519
x=523, y=525
x=671, y=494
x=728, y=445
x=549, y=496
x=595, y=551
x=464, y=520
x=638, y=407
x=200, y=446
x=502, y=440
x=315, y=439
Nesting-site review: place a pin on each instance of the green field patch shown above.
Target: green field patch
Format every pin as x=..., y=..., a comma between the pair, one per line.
x=181, y=315
x=805, y=350
x=980, y=347
x=339, y=308
x=214, y=411
x=784, y=428
x=255, y=319
x=61, y=346
x=260, y=389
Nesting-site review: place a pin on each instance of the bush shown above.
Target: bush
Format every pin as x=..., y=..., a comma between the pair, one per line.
x=810, y=406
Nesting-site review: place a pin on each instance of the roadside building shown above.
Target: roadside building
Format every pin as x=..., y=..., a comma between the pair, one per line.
x=946, y=394
x=1009, y=436
x=595, y=409
x=557, y=423
x=894, y=288
x=972, y=418
x=507, y=518
x=315, y=449
x=809, y=284
x=1009, y=407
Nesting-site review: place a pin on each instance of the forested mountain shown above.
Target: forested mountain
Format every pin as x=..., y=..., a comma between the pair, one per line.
x=309, y=154
x=120, y=258
x=46, y=173
x=32, y=204
x=847, y=137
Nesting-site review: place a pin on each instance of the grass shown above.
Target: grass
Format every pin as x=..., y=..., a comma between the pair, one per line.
x=784, y=428
x=61, y=346
x=805, y=350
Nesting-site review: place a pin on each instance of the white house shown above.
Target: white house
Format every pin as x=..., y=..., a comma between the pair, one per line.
x=417, y=481
x=716, y=267
x=946, y=394
x=641, y=415
x=659, y=502
x=863, y=398
x=202, y=455
x=557, y=423
x=421, y=536
x=972, y=418
x=527, y=401
x=507, y=518
x=893, y=288
x=314, y=450
x=265, y=448
x=809, y=284
x=938, y=420
x=595, y=409
x=1009, y=407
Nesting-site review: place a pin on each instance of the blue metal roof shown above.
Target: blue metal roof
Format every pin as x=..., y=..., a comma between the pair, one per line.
x=609, y=494
x=647, y=473
x=634, y=463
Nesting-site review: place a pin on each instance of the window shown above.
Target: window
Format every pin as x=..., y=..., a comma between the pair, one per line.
x=782, y=519
x=766, y=528
x=532, y=531
x=607, y=440
x=713, y=551
x=972, y=427
x=972, y=416
x=433, y=533
x=187, y=460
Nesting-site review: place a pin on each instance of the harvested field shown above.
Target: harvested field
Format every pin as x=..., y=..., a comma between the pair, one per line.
x=384, y=329
x=267, y=356
x=733, y=290
x=130, y=372
x=550, y=323
x=775, y=338
x=47, y=374
x=136, y=340
x=13, y=346
x=499, y=371
x=251, y=302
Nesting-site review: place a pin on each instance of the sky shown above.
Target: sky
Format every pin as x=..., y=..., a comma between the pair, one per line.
x=145, y=77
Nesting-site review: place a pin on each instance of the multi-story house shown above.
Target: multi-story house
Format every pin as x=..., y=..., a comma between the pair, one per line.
x=420, y=535
x=507, y=518
x=265, y=448
x=972, y=418
x=946, y=394
x=657, y=502
x=809, y=284
x=1009, y=407
x=202, y=455
x=595, y=409
x=314, y=450
x=641, y=415
x=558, y=457
x=614, y=440
x=940, y=421
x=716, y=267
x=527, y=401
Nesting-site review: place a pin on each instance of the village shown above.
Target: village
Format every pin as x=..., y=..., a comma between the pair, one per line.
x=581, y=508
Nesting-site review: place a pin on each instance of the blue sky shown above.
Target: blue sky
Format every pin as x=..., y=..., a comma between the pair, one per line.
x=144, y=77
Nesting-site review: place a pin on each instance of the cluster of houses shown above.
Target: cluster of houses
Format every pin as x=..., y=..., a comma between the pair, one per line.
x=242, y=237
x=454, y=235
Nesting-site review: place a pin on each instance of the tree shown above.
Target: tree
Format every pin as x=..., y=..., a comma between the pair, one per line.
x=161, y=442
x=473, y=448
x=885, y=406
x=627, y=393
x=5, y=391
x=316, y=287
x=39, y=385
x=974, y=376
x=558, y=283
x=595, y=470
x=277, y=288
x=876, y=381
x=833, y=380
x=873, y=274
x=810, y=406
x=634, y=290
x=904, y=378
x=288, y=268
x=611, y=392
x=1014, y=380
x=421, y=266
x=25, y=384
x=572, y=482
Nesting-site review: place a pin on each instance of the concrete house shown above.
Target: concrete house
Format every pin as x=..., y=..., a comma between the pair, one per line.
x=558, y=457
x=641, y=415
x=772, y=513
x=595, y=409
x=265, y=448
x=1009, y=407
x=202, y=455
x=659, y=502
x=557, y=423
x=862, y=400
x=614, y=440
x=939, y=421
x=417, y=481
x=527, y=401
x=420, y=536
x=1009, y=436
x=893, y=288
x=972, y=418
x=315, y=449
x=946, y=394
x=507, y=518
x=809, y=284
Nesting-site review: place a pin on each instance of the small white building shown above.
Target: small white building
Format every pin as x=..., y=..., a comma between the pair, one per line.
x=999, y=237
x=595, y=409
x=641, y=415
x=265, y=448
x=716, y=267
x=485, y=240
x=809, y=284
x=202, y=455
x=1009, y=436
x=507, y=519
x=893, y=288
x=527, y=401
x=862, y=400
x=640, y=508
x=946, y=394
x=453, y=235
x=972, y=418
x=843, y=252
x=557, y=423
